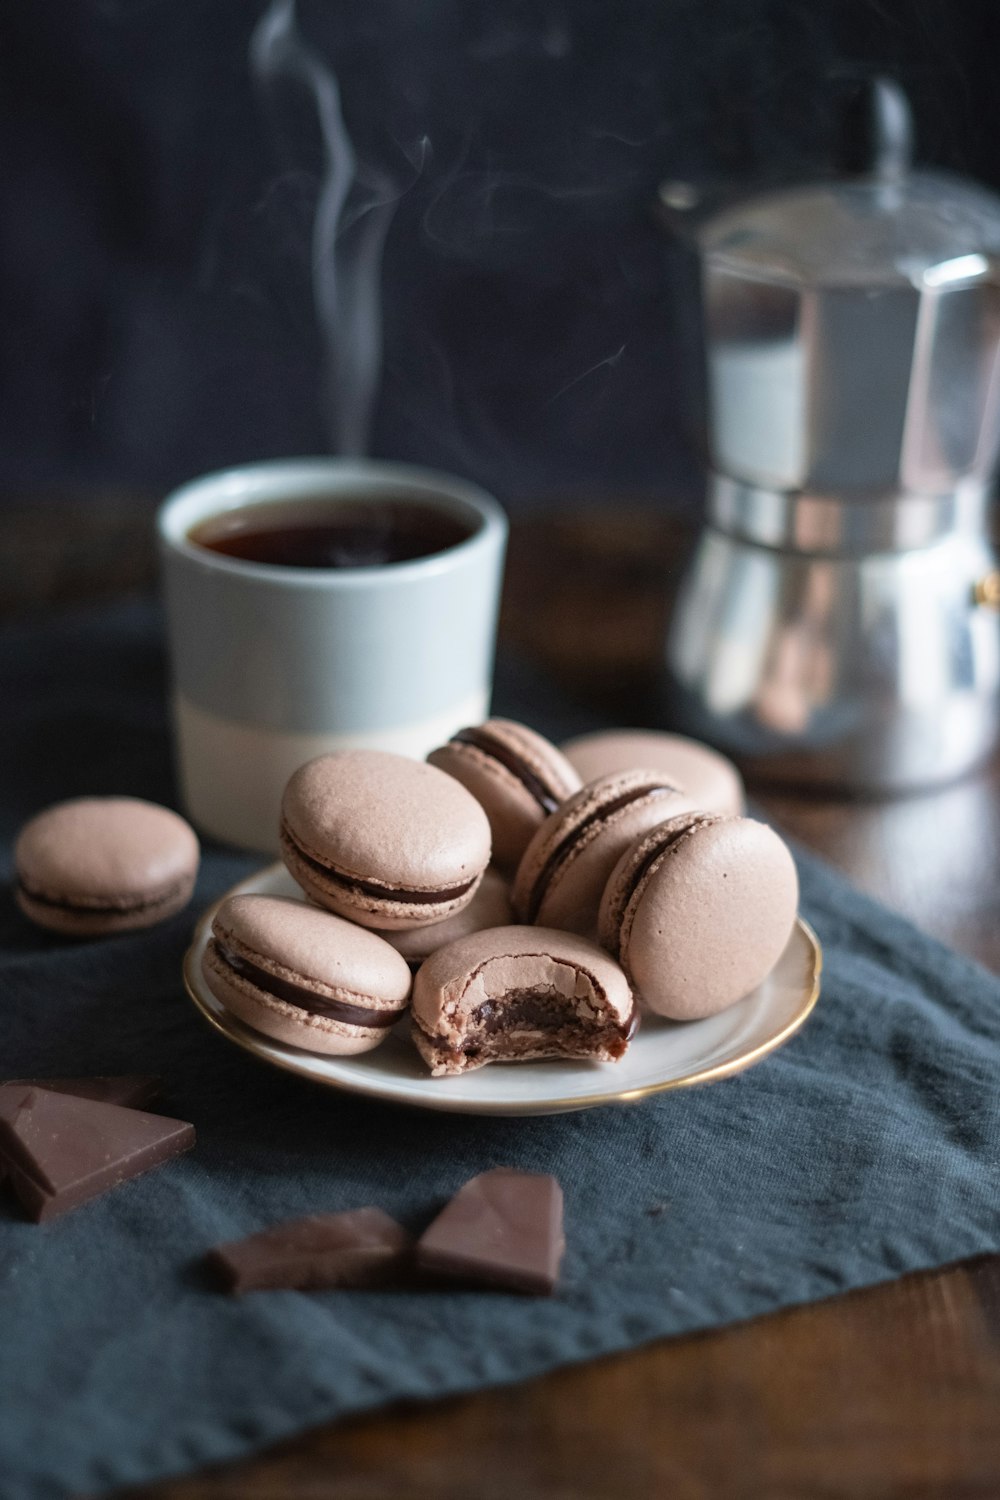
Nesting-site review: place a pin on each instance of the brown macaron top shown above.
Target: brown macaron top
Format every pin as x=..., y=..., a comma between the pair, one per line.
x=275, y=938
x=698, y=911
x=517, y=775
x=105, y=862
x=711, y=781
x=384, y=839
x=565, y=868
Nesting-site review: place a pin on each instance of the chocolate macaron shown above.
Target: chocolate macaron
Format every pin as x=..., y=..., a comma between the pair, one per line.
x=711, y=780
x=698, y=912
x=304, y=976
x=565, y=868
x=518, y=776
x=513, y=994
x=386, y=841
x=99, y=865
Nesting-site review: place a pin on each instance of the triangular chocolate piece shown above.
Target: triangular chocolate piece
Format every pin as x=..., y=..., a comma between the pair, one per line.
x=503, y=1228
x=62, y=1151
x=132, y=1090
x=361, y=1248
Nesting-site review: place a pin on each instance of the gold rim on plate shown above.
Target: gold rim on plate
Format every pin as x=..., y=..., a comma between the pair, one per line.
x=283, y=1055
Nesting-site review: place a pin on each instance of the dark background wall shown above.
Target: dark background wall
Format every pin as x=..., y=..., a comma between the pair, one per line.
x=156, y=210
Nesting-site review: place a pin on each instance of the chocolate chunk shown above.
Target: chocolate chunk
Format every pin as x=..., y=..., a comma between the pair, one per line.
x=502, y=1229
x=61, y=1150
x=132, y=1090
x=361, y=1248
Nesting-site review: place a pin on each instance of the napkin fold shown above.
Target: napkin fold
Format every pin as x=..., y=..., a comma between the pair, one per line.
x=865, y=1148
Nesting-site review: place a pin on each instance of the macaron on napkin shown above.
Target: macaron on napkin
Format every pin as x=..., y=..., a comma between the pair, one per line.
x=863, y=1149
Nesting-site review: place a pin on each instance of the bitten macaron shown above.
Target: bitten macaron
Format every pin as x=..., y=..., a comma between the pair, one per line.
x=711, y=781
x=305, y=976
x=510, y=994
x=698, y=911
x=386, y=841
x=565, y=868
x=517, y=775
x=98, y=865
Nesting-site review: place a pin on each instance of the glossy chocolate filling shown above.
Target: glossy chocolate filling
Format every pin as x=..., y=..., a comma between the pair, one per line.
x=535, y=1010
x=562, y=851
x=481, y=739
x=81, y=909
x=368, y=887
x=305, y=999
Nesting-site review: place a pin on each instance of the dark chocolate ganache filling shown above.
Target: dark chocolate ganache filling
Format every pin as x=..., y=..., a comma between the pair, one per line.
x=536, y=1010
x=92, y=909
x=481, y=739
x=563, y=850
x=368, y=887
x=298, y=994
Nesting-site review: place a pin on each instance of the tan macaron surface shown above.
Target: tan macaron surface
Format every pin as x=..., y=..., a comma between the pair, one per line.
x=565, y=868
x=517, y=775
x=387, y=841
x=711, y=781
x=98, y=865
x=517, y=993
x=698, y=912
x=305, y=976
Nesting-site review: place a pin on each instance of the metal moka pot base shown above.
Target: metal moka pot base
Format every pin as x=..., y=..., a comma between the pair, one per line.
x=872, y=673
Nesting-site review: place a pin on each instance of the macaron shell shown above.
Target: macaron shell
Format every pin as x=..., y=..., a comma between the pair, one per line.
x=513, y=811
x=457, y=978
x=712, y=781
x=708, y=920
x=105, y=864
x=489, y=907
x=371, y=816
x=282, y=1021
x=572, y=894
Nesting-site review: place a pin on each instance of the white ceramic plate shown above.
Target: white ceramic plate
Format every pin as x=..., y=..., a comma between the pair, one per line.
x=664, y=1055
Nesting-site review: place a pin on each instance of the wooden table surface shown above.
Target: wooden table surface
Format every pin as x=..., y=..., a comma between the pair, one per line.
x=893, y=1392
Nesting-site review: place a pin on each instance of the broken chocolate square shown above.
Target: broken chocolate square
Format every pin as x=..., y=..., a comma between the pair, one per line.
x=62, y=1150
x=361, y=1248
x=133, y=1090
x=502, y=1229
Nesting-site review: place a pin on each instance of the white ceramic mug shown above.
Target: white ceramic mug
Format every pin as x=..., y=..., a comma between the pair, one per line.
x=272, y=665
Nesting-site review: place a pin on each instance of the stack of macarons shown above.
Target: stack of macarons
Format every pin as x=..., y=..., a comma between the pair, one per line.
x=544, y=898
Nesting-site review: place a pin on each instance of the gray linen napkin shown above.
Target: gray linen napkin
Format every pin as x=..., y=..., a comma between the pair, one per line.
x=865, y=1148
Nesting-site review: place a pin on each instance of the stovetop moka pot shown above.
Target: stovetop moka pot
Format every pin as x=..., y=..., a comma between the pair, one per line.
x=838, y=622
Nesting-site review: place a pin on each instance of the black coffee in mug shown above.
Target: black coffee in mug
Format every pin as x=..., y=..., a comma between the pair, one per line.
x=333, y=533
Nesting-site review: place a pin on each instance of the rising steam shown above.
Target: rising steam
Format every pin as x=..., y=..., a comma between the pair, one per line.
x=353, y=211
